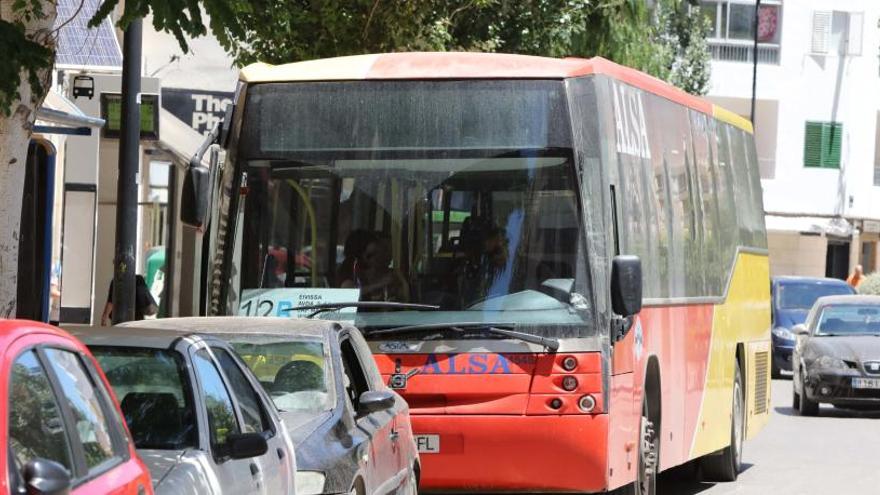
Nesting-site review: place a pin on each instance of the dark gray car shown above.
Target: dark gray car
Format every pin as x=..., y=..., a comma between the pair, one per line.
x=352, y=434
x=836, y=358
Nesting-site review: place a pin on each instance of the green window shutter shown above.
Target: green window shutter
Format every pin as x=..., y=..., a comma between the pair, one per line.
x=832, y=159
x=813, y=145
x=822, y=144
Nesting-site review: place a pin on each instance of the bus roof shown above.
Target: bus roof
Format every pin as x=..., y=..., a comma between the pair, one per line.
x=473, y=65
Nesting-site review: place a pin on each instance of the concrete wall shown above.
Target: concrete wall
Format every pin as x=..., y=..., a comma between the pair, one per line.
x=792, y=253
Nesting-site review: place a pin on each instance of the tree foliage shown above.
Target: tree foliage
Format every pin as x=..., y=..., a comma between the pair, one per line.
x=665, y=38
x=25, y=54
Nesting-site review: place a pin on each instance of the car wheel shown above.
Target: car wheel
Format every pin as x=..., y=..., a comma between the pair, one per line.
x=806, y=407
x=726, y=465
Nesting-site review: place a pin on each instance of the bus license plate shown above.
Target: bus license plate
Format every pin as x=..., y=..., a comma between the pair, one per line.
x=866, y=382
x=428, y=444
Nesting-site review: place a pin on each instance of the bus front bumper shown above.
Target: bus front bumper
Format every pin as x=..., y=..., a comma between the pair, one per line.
x=514, y=453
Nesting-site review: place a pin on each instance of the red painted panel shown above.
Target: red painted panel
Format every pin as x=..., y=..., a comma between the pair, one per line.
x=502, y=453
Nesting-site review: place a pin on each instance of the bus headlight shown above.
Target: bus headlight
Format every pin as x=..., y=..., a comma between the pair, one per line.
x=587, y=403
x=569, y=383
x=310, y=482
x=569, y=363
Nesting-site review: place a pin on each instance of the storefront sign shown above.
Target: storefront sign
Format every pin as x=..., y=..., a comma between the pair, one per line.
x=201, y=110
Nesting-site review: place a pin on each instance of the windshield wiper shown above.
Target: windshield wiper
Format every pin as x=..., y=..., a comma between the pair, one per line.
x=497, y=328
x=324, y=307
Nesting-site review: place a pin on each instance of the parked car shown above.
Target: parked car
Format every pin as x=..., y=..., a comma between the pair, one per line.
x=61, y=427
x=352, y=433
x=199, y=418
x=792, y=298
x=837, y=356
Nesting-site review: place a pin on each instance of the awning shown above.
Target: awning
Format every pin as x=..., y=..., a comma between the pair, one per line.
x=58, y=115
x=837, y=227
x=178, y=138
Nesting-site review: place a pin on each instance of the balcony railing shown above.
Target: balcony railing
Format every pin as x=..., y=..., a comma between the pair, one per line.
x=742, y=51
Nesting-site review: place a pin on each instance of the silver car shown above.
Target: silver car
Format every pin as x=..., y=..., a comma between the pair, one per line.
x=199, y=419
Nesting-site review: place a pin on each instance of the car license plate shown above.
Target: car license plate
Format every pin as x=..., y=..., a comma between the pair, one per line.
x=866, y=382
x=428, y=444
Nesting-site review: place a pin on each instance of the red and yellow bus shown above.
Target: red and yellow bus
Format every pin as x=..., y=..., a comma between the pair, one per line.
x=576, y=251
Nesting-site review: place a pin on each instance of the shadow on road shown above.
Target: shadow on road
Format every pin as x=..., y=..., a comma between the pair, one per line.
x=832, y=412
x=683, y=480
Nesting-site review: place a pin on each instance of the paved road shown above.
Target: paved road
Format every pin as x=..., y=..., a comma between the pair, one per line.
x=835, y=453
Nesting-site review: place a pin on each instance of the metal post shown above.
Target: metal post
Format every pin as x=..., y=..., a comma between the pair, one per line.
x=124, y=263
x=755, y=63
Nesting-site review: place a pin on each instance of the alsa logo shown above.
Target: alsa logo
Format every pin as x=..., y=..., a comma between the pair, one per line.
x=629, y=121
x=471, y=364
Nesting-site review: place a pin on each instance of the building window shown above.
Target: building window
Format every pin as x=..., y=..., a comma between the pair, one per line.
x=822, y=144
x=732, y=35
x=837, y=33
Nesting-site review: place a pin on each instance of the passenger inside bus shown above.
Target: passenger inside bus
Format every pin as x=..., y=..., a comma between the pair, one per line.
x=372, y=272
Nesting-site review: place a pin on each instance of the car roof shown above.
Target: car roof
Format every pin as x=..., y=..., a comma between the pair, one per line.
x=848, y=299
x=11, y=330
x=809, y=280
x=129, y=337
x=242, y=325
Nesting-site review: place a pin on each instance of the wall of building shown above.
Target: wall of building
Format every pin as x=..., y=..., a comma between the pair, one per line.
x=808, y=87
x=792, y=253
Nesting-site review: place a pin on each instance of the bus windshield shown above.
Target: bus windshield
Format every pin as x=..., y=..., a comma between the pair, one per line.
x=460, y=194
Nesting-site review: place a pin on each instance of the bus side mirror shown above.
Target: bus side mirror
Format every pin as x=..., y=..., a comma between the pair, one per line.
x=195, y=196
x=626, y=285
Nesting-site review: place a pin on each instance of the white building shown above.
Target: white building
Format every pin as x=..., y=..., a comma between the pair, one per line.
x=816, y=123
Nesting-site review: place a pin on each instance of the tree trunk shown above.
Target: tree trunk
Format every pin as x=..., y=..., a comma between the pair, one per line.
x=15, y=133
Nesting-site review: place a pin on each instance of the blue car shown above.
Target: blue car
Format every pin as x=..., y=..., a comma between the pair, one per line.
x=792, y=298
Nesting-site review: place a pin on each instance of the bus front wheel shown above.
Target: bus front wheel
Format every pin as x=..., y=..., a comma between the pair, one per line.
x=725, y=465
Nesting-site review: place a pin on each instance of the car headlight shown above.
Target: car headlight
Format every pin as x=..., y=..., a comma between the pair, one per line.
x=783, y=333
x=310, y=482
x=831, y=363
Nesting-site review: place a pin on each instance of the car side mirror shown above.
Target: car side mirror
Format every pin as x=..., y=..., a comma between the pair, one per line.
x=800, y=329
x=246, y=445
x=375, y=401
x=45, y=477
x=194, y=197
x=626, y=285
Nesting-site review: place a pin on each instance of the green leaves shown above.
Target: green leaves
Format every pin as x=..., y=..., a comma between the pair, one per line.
x=667, y=41
x=23, y=57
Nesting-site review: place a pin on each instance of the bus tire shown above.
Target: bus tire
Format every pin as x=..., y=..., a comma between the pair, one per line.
x=649, y=452
x=725, y=465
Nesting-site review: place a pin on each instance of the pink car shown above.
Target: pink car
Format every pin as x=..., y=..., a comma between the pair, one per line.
x=60, y=426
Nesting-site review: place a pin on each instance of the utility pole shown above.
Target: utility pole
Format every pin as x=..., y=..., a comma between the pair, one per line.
x=124, y=262
x=755, y=63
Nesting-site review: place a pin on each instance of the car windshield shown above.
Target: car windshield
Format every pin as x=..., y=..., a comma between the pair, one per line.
x=295, y=372
x=460, y=194
x=849, y=319
x=152, y=386
x=804, y=295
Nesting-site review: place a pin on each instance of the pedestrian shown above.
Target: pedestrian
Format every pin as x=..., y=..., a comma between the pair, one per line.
x=144, y=304
x=855, y=278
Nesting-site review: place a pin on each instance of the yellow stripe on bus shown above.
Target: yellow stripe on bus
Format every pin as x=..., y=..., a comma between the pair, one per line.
x=744, y=317
x=725, y=115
